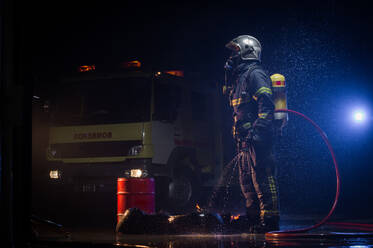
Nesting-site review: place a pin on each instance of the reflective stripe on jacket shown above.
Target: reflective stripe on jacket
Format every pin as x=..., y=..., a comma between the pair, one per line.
x=251, y=99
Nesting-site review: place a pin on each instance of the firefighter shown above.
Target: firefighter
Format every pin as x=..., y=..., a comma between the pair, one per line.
x=253, y=130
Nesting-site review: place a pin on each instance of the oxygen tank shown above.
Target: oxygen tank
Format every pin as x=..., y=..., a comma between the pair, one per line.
x=280, y=100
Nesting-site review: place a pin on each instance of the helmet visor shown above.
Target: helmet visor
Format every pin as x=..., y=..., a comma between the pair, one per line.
x=233, y=46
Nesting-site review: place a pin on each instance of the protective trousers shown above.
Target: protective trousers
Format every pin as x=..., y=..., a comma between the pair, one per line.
x=258, y=183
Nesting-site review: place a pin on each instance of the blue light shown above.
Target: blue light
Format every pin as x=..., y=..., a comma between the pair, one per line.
x=359, y=116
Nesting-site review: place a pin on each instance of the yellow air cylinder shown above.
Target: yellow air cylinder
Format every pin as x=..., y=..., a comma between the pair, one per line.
x=280, y=99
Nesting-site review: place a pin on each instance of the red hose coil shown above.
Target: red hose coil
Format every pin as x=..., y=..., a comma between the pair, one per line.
x=285, y=233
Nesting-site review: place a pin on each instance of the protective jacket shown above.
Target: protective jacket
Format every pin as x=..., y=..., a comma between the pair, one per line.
x=253, y=107
x=253, y=111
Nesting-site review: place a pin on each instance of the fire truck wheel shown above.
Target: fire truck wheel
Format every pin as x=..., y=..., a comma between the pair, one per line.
x=184, y=191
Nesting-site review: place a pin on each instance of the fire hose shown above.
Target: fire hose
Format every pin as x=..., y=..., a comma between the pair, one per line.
x=301, y=231
x=295, y=232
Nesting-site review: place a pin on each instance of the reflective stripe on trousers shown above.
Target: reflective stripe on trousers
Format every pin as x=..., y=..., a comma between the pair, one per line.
x=258, y=184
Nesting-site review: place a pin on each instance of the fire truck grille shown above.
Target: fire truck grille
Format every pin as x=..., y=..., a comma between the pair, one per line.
x=93, y=149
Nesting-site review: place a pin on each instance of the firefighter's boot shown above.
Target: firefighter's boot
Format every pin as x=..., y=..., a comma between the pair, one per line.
x=252, y=219
x=267, y=224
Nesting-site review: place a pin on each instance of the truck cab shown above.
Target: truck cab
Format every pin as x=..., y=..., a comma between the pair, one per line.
x=133, y=123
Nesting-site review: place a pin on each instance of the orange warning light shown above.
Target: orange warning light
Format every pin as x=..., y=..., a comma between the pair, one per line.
x=85, y=68
x=131, y=64
x=175, y=73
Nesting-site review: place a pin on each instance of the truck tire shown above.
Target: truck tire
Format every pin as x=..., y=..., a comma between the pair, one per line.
x=184, y=191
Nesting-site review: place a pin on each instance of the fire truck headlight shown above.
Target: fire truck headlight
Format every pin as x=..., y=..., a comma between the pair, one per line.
x=135, y=150
x=55, y=174
x=136, y=173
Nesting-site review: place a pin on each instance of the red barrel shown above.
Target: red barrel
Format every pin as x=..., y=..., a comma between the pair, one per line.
x=135, y=192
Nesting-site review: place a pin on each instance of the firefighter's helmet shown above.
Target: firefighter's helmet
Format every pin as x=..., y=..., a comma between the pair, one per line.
x=246, y=46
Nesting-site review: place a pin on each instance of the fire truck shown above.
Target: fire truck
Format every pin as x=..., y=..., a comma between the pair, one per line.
x=133, y=123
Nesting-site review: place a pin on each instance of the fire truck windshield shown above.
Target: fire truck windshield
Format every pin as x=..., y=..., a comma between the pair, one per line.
x=103, y=101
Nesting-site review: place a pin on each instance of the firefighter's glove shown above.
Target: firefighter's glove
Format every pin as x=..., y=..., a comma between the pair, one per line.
x=248, y=132
x=253, y=137
x=243, y=146
x=250, y=136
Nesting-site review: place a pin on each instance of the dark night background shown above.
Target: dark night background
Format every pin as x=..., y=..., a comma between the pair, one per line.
x=324, y=49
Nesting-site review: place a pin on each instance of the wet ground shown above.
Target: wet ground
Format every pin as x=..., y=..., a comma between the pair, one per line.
x=325, y=236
